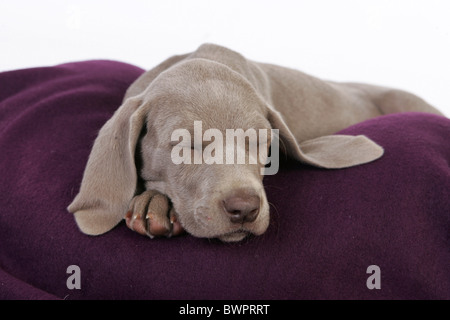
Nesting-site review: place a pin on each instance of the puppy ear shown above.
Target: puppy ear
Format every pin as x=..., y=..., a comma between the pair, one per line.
x=330, y=152
x=110, y=178
x=340, y=151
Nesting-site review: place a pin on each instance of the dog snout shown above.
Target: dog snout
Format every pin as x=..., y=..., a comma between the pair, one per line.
x=242, y=206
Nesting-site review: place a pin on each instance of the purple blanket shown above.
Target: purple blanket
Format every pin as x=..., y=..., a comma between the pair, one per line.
x=327, y=226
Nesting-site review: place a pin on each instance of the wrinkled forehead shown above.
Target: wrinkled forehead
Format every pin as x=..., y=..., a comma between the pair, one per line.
x=164, y=126
x=189, y=111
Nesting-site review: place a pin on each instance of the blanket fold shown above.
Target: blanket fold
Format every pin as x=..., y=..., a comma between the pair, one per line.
x=327, y=226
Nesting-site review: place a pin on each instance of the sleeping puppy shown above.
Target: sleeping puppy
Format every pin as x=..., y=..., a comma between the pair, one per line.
x=131, y=173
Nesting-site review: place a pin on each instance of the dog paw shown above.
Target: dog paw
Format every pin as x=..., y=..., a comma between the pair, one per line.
x=151, y=214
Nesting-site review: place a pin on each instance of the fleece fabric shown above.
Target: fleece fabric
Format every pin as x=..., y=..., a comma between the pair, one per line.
x=328, y=227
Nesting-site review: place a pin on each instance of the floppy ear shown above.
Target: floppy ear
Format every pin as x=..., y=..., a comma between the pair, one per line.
x=330, y=152
x=110, y=178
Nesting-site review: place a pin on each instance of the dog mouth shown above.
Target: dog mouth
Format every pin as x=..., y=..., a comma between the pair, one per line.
x=234, y=236
x=206, y=223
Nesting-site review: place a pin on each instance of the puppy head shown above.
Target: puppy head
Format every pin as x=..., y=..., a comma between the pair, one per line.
x=190, y=152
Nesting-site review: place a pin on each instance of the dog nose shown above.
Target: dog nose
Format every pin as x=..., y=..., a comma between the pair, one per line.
x=242, y=207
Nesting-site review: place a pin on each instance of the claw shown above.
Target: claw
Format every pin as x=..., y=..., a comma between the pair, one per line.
x=149, y=235
x=176, y=228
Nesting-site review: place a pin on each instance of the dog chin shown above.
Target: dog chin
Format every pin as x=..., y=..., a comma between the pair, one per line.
x=233, y=236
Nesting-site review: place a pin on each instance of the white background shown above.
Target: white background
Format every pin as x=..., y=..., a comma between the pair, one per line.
x=397, y=43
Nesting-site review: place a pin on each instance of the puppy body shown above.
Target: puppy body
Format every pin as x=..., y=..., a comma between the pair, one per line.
x=310, y=107
x=223, y=90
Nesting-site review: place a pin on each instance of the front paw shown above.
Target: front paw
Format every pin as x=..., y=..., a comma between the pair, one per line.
x=151, y=214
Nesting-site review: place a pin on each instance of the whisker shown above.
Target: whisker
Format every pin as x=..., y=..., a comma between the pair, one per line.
x=283, y=148
x=274, y=207
x=273, y=187
x=272, y=221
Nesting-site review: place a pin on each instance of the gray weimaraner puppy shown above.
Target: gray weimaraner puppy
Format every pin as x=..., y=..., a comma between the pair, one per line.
x=223, y=90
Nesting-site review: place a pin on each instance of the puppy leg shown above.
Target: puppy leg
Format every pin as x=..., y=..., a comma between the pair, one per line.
x=389, y=100
x=393, y=101
x=151, y=214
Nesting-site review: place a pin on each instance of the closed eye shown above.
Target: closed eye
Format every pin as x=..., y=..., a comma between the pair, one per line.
x=189, y=146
